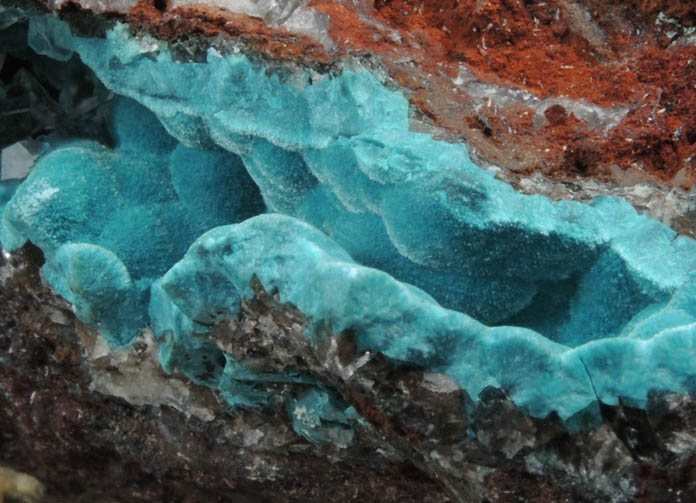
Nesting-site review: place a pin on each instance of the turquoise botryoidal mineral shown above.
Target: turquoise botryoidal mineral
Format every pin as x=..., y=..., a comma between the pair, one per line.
x=110, y=221
x=402, y=322
x=222, y=173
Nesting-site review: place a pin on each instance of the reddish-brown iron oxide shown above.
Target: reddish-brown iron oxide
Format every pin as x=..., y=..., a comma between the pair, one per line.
x=203, y=20
x=607, y=53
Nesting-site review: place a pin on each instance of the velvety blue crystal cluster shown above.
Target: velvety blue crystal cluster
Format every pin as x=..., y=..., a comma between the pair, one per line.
x=224, y=171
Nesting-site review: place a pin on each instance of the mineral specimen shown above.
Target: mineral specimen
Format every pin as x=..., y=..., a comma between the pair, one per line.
x=268, y=224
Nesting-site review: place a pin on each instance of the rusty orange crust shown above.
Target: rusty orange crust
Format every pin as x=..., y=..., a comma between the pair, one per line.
x=618, y=58
x=200, y=19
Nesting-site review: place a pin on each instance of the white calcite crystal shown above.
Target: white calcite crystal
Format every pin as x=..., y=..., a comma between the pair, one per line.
x=17, y=159
x=292, y=15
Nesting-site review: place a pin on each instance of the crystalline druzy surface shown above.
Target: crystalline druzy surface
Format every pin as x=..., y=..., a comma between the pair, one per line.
x=402, y=322
x=373, y=228
x=110, y=221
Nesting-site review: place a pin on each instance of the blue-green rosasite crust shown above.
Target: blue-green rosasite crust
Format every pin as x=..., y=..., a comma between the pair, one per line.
x=111, y=221
x=600, y=297
x=404, y=323
x=338, y=154
x=310, y=272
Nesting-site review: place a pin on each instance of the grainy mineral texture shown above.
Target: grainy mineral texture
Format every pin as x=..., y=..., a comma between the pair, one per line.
x=313, y=250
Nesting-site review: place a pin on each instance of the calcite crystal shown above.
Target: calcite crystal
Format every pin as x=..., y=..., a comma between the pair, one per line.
x=330, y=249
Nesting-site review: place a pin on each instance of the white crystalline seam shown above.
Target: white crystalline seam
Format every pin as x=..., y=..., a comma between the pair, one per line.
x=311, y=23
x=273, y=12
x=292, y=15
x=289, y=14
x=597, y=117
x=300, y=412
x=249, y=7
x=15, y=162
x=439, y=383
